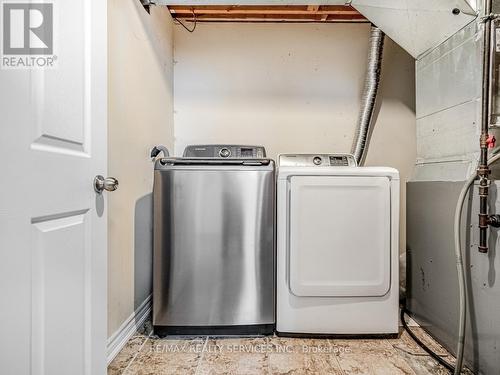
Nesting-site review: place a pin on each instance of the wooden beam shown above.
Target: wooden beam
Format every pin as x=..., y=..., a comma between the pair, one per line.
x=261, y=7
x=340, y=10
x=271, y=17
x=317, y=13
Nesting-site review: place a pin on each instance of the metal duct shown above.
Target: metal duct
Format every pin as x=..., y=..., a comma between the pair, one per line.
x=361, y=138
x=418, y=25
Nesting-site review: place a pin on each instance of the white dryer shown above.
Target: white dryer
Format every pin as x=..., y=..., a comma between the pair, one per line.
x=337, y=247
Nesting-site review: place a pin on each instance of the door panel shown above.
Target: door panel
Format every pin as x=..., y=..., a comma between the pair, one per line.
x=61, y=272
x=61, y=96
x=339, y=236
x=53, y=237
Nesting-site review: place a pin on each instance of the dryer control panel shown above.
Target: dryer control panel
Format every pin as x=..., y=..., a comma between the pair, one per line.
x=225, y=151
x=317, y=160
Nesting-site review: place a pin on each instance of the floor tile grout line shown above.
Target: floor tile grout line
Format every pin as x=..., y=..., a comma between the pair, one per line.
x=336, y=359
x=340, y=366
x=421, y=354
x=268, y=356
x=137, y=353
x=201, y=356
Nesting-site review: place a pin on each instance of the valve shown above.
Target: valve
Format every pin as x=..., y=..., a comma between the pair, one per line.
x=494, y=221
x=490, y=142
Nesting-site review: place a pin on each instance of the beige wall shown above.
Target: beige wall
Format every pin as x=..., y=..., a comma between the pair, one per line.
x=291, y=88
x=140, y=116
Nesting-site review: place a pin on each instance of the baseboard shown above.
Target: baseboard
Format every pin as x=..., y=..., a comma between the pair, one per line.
x=130, y=326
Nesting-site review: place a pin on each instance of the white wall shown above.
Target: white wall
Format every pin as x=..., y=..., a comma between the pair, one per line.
x=140, y=116
x=291, y=88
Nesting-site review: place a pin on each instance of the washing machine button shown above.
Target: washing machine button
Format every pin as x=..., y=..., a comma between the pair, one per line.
x=224, y=152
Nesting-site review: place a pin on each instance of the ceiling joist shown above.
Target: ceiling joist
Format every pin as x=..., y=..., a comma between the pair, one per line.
x=297, y=13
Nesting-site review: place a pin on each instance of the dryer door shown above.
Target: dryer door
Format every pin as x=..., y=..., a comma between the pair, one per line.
x=339, y=236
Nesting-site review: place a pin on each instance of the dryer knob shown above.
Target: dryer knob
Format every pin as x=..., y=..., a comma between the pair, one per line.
x=317, y=160
x=224, y=153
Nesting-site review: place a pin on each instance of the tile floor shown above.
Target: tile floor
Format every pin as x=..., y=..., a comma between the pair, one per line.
x=149, y=355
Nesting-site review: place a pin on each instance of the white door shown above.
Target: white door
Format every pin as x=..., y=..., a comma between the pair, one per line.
x=340, y=236
x=53, y=129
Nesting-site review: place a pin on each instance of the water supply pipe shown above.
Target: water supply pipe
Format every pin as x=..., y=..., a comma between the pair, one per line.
x=372, y=79
x=483, y=170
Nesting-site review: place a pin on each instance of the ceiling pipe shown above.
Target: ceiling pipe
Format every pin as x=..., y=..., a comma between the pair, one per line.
x=361, y=138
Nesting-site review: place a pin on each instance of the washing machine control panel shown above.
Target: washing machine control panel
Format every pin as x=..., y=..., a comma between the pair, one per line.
x=225, y=151
x=317, y=160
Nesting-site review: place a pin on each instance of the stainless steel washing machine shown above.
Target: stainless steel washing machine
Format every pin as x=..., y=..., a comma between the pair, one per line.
x=214, y=252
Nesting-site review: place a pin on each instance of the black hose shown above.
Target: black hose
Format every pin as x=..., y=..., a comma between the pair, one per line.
x=422, y=345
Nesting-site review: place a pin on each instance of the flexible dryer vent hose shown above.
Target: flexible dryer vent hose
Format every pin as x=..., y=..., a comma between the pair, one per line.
x=462, y=287
x=361, y=137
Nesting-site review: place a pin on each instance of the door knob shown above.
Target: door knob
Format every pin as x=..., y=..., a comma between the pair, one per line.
x=108, y=184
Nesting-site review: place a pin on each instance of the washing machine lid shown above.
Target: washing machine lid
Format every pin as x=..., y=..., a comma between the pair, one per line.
x=339, y=235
